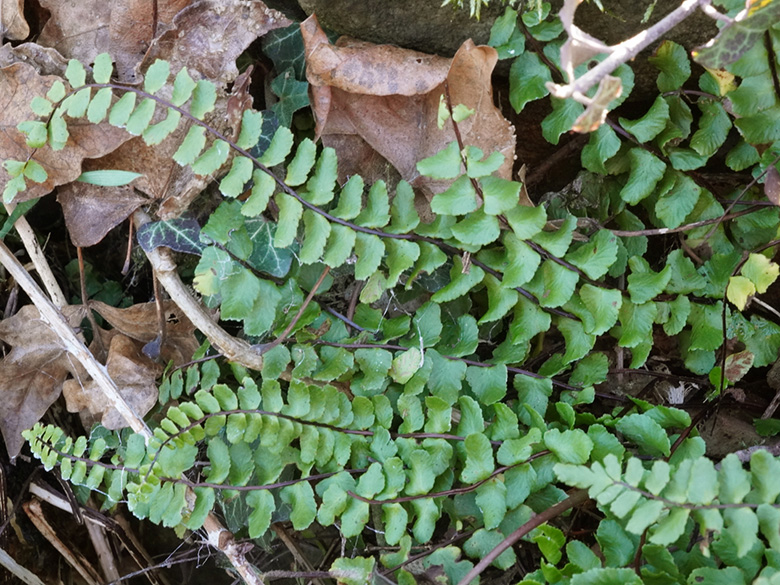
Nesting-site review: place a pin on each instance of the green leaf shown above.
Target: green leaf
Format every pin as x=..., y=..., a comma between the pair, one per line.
x=603, y=304
x=281, y=145
x=739, y=291
x=762, y=127
x=643, y=283
x=557, y=242
x=595, y=257
x=108, y=178
x=140, y=118
x=35, y=172
x=569, y=446
x=353, y=571
x=550, y=541
x=602, y=145
x=477, y=229
x=263, y=506
x=156, y=76
x=646, y=171
x=460, y=282
x=191, y=146
x=317, y=230
x=264, y=186
x=75, y=74
x=290, y=212
x=182, y=87
x=301, y=164
x=636, y=323
x=499, y=194
x=714, y=126
x=476, y=167
x=204, y=96
x=377, y=211
x=674, y=206
x=293, y=95
x=651, y=124
x=646, y=433
x=607, y=576
x=761, y=271
x=553, y=284
x=445, y=164
x=300, y=497
x=590, y=370
x=561, y=120
x=527, y=80
x=706, y=332
x=522, y=261
x=403, y=215
x=212, y=159
x=459, y=198
x=232, y=184
x=98, y=107
x=369, y=250
x=319, y=188
x=339, y=246
x=501, y=300
x=219, y=458
x=671, y=60
x=487, y=384
x=526, y=221
x=479, y=458
x=102, y=68
x=121, y=110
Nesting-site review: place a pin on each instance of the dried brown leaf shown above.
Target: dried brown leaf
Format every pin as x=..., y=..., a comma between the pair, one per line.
x=21, y=83
x=12, y=23
x=208, y=36
x=32, y=373
x=139, y=322
x=772, y=185
x=389, y=98
x=91, y=211
x=135, y=376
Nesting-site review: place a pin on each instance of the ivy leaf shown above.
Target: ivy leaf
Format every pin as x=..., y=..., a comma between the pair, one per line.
x=180, y=235
x=284, y=46
x=293, y=95
x=528, y=77
x=671, y=60
x=646, y=171
x=651, y=124
x=595, y=257
x=265, y=257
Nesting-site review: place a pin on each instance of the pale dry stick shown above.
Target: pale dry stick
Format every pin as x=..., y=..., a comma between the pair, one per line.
x=624, y=52
x=218, y=536
x=17, y=570
x=36, y=255
x=73, y=345
x=235, y=350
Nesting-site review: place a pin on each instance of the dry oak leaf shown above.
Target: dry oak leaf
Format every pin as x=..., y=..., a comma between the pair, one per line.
x=91, y=212
x=139, y=322
x=208, y=37
x=12, y=23
x=388, y=98
x=45, y=60
x=124, y=28
x=134, y=374
x=33, y=372
x=21, y=83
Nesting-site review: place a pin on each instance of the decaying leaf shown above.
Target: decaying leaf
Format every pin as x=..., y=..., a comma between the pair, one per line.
x=32, y=373
x=124, y=29
x=12, y=23
x=594, y=115
x=209, y=35
x=388, y=98
x=738, y=364
x=21, y=83
x=139, y=322
x=134, y=374
x=91, y=211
